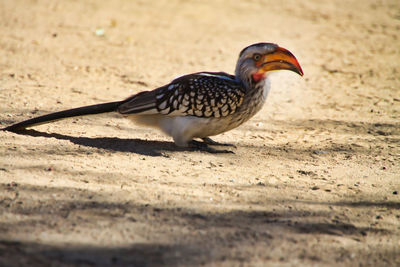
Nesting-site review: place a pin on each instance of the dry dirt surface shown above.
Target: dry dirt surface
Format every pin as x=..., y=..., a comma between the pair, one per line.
x=315, y=178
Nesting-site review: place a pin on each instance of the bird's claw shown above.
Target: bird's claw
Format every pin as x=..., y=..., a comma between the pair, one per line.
x=204, y=147
x=211, y=142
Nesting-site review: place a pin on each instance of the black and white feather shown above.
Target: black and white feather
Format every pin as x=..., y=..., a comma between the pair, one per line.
x=203, y=94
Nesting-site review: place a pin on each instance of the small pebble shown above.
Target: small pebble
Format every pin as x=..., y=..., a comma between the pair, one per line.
x=100, y=32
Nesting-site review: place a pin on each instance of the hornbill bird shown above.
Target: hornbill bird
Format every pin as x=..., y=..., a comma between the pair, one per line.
x=197, y=105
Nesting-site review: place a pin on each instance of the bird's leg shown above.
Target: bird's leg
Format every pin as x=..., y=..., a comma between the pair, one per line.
x=204, y=147
x=211, y=142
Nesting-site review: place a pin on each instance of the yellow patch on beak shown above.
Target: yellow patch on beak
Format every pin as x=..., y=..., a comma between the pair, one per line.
x=281, y=59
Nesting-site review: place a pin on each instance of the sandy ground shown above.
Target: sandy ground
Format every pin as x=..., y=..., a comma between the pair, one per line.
x=315, y=177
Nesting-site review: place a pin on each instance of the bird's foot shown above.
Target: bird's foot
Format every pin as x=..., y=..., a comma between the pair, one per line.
x=203, y=146
x=209, y=141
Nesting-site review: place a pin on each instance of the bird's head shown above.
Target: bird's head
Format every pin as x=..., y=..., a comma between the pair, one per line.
x=257, y=60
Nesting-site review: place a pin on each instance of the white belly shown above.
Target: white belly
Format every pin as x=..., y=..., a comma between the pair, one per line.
x=183, y=128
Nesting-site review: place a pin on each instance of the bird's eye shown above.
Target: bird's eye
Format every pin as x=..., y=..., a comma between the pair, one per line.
x=256, y=57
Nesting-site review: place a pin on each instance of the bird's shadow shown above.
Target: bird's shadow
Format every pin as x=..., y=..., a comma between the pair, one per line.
x=138, y=146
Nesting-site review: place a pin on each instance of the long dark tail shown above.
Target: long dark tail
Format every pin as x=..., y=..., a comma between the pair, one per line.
x=86, y=110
